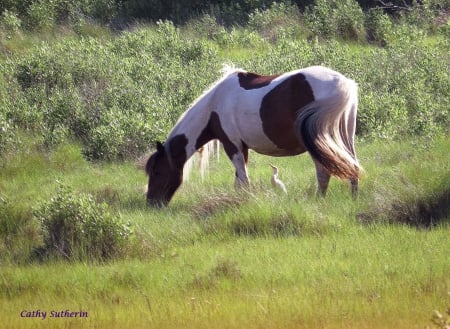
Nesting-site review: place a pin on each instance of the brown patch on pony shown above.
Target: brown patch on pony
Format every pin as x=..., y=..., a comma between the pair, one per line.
x=165, y=170
x=177, y=150
x=279, y=110
x=153, y=158
x=214, y=130
x=254, y=81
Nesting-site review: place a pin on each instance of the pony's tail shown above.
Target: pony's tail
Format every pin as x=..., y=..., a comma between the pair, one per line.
x=327, y=129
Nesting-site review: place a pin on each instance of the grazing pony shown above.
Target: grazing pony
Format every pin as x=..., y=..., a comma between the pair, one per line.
x=311, y=109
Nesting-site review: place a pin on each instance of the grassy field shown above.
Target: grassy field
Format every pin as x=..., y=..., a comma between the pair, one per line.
x=217, y=258
x=80, y=102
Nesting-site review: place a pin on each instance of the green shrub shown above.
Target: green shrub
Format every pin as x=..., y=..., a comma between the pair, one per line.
x=75, y=227
x=405, y=35
x=280, y=20
x=205, y=26
x=349, y=20
x=378, y=26
x=115, y=98
x=445, y=29
x=342, y=19
x=7, y=134
x=421, y=14
x=41, y=15
x=10, y=21
x=62, y=116
x=104, y=142
x=237, y=37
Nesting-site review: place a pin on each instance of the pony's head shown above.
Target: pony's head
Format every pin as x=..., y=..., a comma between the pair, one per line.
x=165, y=176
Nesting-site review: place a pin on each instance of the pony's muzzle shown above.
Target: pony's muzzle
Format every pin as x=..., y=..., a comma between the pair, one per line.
x=157, y=204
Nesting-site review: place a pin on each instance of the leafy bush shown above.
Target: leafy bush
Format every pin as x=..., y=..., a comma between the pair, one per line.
x=280, y=19
x=228, y=12
x=7, y=134
x=41, y=15
x=421, y=14
x=114, y=98
x=445, y=29
x=75, y=227
x=10, y=21
x=378, y=26
x=343, y=19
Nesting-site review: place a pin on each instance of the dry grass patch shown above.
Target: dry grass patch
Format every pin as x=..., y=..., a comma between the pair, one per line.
x=414, y=208
x=216, y=203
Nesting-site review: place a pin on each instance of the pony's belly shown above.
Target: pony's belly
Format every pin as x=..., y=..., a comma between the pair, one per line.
x=257, y=139
x=273, y=150
x=279, y=152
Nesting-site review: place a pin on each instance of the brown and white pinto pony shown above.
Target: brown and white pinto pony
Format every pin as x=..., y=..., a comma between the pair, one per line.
x=311, y=109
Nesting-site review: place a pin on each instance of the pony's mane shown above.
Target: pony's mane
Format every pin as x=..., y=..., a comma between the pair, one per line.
x=201, y=159
x=227, y=70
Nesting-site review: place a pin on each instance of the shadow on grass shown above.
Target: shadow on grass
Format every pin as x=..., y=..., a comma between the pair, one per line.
x=422, y=212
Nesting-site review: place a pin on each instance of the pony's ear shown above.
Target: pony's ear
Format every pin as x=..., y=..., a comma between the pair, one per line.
x=159, y=147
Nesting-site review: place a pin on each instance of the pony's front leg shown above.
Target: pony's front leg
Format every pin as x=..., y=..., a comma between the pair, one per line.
x=239, y=161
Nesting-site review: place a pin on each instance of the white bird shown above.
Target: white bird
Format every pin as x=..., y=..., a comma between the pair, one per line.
x=276, y=182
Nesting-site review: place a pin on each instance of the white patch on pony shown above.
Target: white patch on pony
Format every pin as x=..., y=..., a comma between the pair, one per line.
x=241, y=179
x=324, y=82
x=240, y=115
x=195, y=119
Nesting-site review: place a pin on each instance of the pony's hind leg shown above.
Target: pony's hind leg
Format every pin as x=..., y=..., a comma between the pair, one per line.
x=351, y=136
x=323, y=178
x=354, y=187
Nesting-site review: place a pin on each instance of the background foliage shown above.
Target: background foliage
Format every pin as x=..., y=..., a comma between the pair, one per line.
x=42, y=13
x=114, y=93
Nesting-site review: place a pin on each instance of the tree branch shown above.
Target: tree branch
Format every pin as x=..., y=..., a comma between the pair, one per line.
x=390, y=5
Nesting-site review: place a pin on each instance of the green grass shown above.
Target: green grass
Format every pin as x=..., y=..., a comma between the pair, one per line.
x=329, y=282
x=217, y=258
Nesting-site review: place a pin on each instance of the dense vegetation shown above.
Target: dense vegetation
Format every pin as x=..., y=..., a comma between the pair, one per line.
x=80, y=101
x=45, y=13
x=114, y=94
